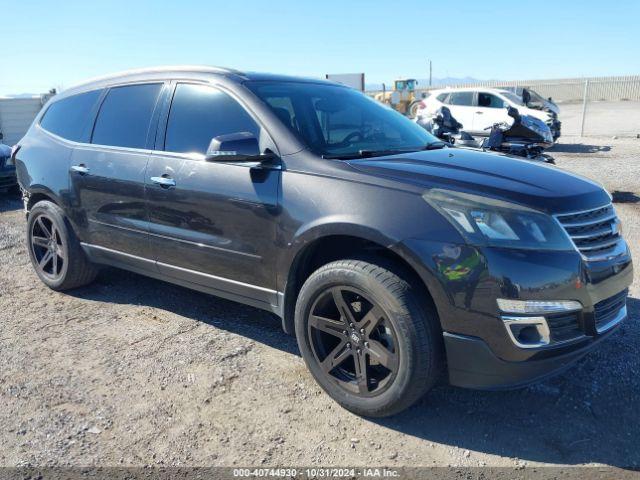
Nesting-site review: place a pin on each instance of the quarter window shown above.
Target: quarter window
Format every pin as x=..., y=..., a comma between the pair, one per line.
x=198, y=114
x=125, y=116
x=68, y=118
x=461, y=98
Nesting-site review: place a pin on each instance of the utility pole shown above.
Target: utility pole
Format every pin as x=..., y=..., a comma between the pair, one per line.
x=430, y=70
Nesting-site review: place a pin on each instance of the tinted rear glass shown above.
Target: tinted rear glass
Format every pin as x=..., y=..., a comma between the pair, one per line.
x=68, y=118
x=200, y=113
x=125, y=116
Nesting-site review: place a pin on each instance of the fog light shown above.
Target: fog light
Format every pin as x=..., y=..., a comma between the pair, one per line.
x=528, y=332
x=530, y=307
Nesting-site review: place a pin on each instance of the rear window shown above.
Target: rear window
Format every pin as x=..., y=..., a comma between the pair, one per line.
x=125, y=116
x=69, y=118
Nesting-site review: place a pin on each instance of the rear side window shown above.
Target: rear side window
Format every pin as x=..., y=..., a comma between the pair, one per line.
x=442, y=97
x=125, y=116
x=198, y=114
x=461, y=98
x=68, y=118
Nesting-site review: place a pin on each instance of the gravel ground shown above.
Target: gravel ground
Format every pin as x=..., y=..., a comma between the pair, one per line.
x=133, y=371
x=607, y=118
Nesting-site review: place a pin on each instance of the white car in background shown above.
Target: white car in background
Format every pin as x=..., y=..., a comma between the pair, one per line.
x=477, y=108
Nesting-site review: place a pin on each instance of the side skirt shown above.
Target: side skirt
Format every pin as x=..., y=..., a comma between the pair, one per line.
x=252, y=295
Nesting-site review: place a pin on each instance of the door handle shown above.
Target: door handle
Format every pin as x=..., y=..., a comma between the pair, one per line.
x=81, y=169
x=164, y=181
x=479, y=113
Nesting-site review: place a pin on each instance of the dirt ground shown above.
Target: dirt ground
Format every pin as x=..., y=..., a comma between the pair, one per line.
x=134, y=371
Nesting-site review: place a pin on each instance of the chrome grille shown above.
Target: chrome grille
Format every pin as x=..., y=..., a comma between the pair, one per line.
x=592, y=231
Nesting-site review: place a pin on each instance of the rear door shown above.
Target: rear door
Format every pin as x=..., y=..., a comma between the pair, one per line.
x=212, y=223
x=107, y=176
x=490, y=109
x=461, y=106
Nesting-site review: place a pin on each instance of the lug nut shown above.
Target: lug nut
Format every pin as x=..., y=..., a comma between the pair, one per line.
x=358, y=350
x=351, y=325
x=344, y=332
x=366, y=344
x=349, y=346
x=362, y=330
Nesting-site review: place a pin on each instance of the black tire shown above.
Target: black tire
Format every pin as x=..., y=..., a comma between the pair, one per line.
x=410, y=321
x=412, y=110
x=50, y=233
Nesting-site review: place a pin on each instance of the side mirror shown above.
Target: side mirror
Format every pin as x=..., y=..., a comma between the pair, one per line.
x=235, y=147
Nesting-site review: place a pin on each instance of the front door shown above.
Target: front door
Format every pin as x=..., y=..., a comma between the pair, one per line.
x=490, y=110
x=212, y=223
x=107, y=176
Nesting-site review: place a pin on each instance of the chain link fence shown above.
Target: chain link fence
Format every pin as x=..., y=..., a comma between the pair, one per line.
x=594, y=106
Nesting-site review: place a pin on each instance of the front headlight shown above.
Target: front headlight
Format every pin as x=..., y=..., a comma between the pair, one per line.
x=487, y=221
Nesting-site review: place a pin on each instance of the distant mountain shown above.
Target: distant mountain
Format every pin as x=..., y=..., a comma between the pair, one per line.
x=424, y=82
x=23, y=95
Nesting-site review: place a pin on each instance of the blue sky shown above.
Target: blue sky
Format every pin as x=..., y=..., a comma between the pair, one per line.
x=56, y=44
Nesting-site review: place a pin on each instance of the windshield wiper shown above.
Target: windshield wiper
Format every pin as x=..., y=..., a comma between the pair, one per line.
x=380, y=153
x=364, y=154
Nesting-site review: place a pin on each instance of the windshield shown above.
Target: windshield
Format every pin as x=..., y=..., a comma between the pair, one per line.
x=536, y=97
x=513, y=98
x=335, y=121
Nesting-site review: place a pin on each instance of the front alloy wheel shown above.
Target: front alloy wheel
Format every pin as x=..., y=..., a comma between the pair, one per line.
x=369, y=335
x=353, y=341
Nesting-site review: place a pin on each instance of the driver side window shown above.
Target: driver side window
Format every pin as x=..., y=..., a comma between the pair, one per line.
x=488, y=100
x=199, y=113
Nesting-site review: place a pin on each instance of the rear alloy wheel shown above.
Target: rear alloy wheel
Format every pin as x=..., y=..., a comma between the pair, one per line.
x=368, y=337
x=47, y=248
x=54, y=249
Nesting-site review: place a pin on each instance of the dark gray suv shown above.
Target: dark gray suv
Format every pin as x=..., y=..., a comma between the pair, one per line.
x=397, y=260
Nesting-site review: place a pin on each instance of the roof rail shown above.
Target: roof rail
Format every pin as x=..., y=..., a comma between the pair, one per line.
x=176, y=68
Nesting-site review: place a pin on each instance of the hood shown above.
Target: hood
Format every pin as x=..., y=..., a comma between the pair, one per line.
x=534, y=184
x=544, y=105
x=552, y=107
x=543, y=115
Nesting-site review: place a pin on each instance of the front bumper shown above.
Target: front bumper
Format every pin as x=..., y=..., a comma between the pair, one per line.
x=472, y=364
x=469, y=280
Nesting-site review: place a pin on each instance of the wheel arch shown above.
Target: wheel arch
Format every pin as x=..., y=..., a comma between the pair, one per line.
x=39, y=193
x=340, y=243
